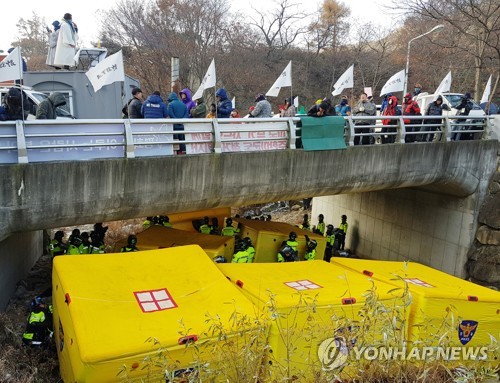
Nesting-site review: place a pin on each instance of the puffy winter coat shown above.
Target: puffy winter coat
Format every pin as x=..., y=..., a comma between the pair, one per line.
x=176, y=109
x=47, y=108
x=154, y=107
x=190, y=104
x=225, y=106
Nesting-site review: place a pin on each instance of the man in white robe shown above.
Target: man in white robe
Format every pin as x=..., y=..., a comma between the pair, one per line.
x=66, y=43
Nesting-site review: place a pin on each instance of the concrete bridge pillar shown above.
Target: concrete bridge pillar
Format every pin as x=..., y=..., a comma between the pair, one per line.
x=18, y=254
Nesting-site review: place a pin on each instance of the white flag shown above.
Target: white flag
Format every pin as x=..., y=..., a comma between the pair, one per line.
x=207, y=82
x=296, y=102
x=233, y=102
x=285, y=79
x=487, y=91
x=445, y=86
x=394, y=84
x=345, y=81
x=11, y=67
x=107, y=71
x=368, y=91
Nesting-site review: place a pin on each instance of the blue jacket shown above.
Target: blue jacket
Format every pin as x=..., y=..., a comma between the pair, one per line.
x=188, y=101
x=176, y=109
x=225, y=105
x=154, y=107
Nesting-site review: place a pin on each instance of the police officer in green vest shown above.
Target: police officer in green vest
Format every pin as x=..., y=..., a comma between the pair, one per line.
x=249, y=249
x=75, y=243
x=57, y=246
x=229, y=230
x=305, y=223
x=96, y=246
x=131, y=244
x=147, y=223
x=240, y=253
x=311, y=245
x=330, y=243
x=292, y=242
x=215, y=229
x=85, y=246
x=205, y=227
x=320, y=227
x=38, y=329
x=343, y=228
x=165, y=221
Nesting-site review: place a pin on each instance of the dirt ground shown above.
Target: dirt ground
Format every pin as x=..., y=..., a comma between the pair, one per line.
x=22, y=364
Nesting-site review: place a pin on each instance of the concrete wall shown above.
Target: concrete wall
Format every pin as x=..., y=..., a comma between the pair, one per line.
x=400, y=225
x=407, y=224
x=45, y=195
x=18, y=254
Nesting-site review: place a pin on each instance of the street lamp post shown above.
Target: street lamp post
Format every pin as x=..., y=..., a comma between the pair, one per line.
x=436, y=28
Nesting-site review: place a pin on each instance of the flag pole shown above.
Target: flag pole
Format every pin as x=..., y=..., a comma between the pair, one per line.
x=19, y=61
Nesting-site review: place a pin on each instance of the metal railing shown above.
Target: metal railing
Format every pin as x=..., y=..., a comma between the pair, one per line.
x=63, y=140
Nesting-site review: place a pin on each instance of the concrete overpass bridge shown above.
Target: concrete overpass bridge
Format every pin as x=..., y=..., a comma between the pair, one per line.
x=67, y=173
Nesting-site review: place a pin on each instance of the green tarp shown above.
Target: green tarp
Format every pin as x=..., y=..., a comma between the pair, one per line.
x=323, y=133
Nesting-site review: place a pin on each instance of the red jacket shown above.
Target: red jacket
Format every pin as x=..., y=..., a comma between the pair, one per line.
x=390, y=110
x=410, y=108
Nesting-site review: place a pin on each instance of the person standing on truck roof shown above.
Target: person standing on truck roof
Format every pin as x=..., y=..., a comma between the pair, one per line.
x=47, y=108
x=53, y=37
x=66, y=43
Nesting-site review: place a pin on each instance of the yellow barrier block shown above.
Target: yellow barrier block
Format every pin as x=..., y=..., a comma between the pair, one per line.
x=106, y=307
x=158, y=237
x=312, y=302
x=466, y=313
x=267, y=238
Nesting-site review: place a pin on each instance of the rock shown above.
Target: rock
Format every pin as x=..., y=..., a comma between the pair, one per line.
x=485, y=272
x=486, y=254
x=488, y=236
x=490, y=212
x=295, y=208
x=494, y=188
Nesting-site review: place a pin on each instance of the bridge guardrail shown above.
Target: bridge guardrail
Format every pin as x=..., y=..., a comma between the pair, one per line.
x=63, y=140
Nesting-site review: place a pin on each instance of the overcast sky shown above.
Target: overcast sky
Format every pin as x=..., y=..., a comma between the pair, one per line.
x=86, y=13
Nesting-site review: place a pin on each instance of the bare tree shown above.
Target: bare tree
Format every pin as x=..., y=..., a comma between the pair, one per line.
x=280, y=27
x=476, y=23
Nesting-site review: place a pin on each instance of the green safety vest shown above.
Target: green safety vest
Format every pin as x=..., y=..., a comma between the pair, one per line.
x=343, y=227
x=34, y=318
x=310, y=255
x=330, y=240
x=205, y=229
x=321, y=228
x=126, y=249
x=240, y=257
x=84, y=249
x=72, y=250
x=146, y=224
x=96, y=250
x=167, y=224
x=251, y=254
x=229, y=231
x=305, y=227
x=55, y=248
x=293, y=244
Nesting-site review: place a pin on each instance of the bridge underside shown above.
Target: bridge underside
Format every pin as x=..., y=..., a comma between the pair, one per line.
x=46, y=195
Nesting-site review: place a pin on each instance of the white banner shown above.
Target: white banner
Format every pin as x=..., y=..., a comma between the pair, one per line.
x=285, y=79
x=233, y=102
x=445, y=85
x=11, y=67
x=346, y=81
x=368, y=91
x=296, y=102
x=208, y=81
x=206, y=135
x=231, y=143
x=394, y=84
x=107, y=72
x=487, y=91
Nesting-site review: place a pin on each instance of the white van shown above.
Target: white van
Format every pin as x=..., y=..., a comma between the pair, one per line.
x=34, y=99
